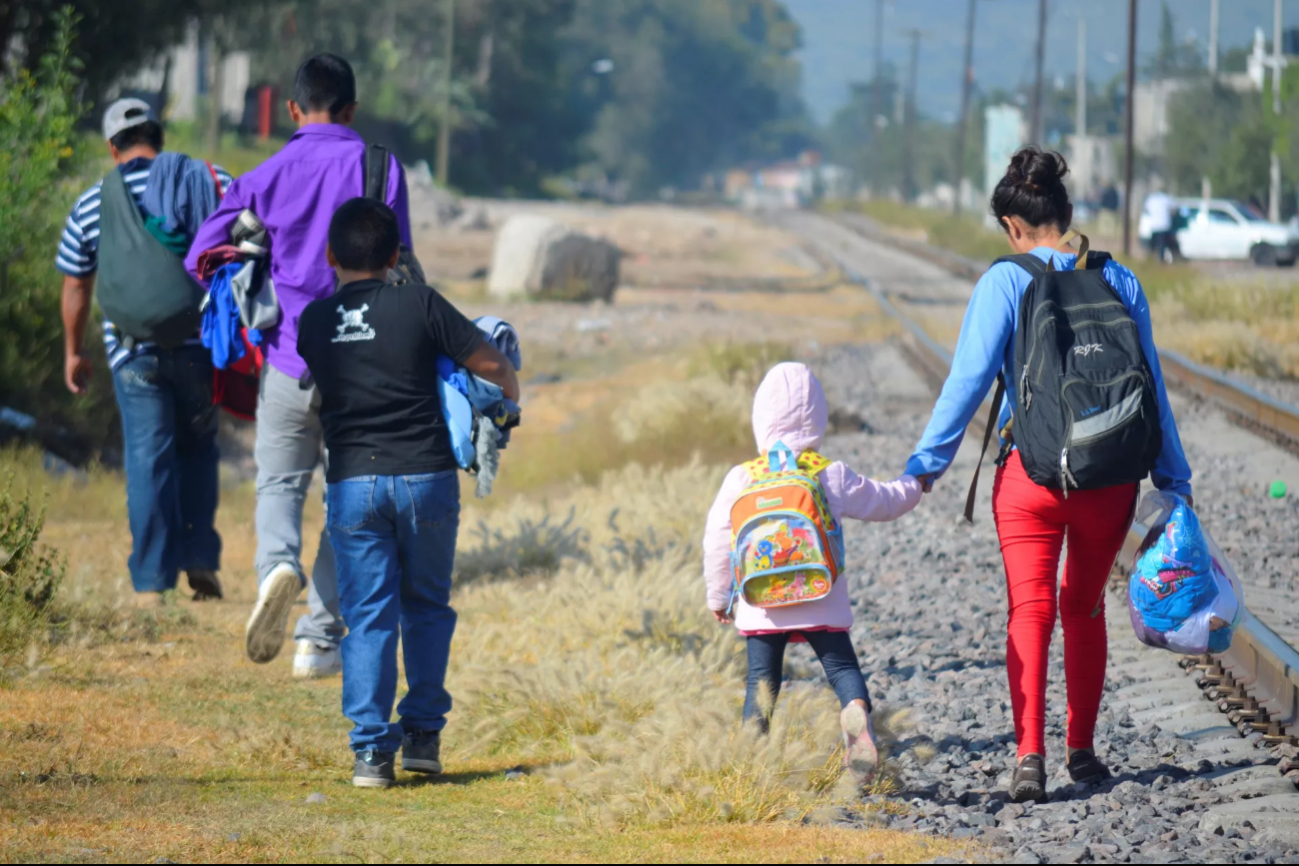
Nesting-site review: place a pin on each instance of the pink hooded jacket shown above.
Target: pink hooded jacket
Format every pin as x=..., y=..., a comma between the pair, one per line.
x=790, y=407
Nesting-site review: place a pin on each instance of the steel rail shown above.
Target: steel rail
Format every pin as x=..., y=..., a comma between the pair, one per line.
x=1256, y=682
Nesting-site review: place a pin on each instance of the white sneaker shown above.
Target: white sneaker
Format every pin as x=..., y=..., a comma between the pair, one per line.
x=311, y=662
x=264, y=636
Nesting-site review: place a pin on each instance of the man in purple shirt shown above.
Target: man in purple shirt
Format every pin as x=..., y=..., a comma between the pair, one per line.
x=295, y=193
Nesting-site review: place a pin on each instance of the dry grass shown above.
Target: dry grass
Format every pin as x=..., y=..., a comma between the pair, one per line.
x=584, y=654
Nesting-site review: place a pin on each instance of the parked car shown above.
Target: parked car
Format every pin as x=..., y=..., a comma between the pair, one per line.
x=1231, y=230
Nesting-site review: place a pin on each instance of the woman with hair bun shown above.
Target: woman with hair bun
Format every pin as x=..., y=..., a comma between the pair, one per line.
x=1033, y=522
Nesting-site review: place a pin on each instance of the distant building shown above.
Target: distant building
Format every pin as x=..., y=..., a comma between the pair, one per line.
x=787, y=184
x=185, y=70
x=1004, y=133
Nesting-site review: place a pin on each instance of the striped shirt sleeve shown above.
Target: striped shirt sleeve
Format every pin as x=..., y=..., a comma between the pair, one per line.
x=78, y=247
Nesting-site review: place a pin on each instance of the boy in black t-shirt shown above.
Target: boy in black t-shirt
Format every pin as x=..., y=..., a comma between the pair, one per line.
x=393, y=498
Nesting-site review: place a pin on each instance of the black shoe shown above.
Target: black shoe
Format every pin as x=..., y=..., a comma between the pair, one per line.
x=205, y=583
x=1028, y=785
x=420, y=753
x=374, y=769
x=1084, y=766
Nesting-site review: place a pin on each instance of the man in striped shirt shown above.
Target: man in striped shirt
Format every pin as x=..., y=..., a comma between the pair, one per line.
x=169, y=422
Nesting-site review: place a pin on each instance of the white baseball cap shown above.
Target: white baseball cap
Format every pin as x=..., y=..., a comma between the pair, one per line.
x=124, y=114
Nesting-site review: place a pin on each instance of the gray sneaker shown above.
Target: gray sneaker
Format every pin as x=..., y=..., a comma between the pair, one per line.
x=374, y=769
x=420, y=753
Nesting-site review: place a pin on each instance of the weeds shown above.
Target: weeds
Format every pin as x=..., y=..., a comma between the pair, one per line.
x=610, y=671
x=30, y=575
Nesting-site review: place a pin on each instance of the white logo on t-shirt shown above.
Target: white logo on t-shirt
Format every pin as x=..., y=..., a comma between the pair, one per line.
x=354, y=326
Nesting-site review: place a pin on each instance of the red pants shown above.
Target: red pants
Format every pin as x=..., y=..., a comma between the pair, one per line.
x=1032, y=523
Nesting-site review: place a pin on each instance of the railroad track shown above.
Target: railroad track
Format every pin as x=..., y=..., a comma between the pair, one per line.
x=1256, y=683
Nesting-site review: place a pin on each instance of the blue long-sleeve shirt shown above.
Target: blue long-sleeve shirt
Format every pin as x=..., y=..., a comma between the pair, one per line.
x=986, y=346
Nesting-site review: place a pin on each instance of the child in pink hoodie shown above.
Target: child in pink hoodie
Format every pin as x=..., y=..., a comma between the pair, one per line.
x=790, y=407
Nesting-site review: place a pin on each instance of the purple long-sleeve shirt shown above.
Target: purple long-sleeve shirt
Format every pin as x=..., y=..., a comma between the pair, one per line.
x=295, y=193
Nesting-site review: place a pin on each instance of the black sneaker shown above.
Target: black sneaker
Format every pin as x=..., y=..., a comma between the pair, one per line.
x=374, y=769
x=1084, y=766
x=1028, y=785
x=420, y=753
x=206, y=584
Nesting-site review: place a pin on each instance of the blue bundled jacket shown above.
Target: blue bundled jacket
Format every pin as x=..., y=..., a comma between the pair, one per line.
x=465, y=395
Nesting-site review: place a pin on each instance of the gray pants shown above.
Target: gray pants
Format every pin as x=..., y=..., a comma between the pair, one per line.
x=289, y=447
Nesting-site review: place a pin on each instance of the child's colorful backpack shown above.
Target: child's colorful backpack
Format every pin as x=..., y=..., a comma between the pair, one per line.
x=786, y=547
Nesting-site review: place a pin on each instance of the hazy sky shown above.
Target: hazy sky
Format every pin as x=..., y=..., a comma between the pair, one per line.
x=839, y=36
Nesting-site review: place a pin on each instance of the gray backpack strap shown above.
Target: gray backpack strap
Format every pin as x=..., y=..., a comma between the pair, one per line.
x=1029, y=262
x=376, y=172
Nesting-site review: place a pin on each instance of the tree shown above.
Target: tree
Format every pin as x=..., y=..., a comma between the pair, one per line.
x=695, y=87
x=1219, y=133
x=1173, y=59
x=116, y=37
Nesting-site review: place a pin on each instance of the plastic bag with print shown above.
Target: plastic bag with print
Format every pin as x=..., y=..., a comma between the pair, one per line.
x=1182, y=593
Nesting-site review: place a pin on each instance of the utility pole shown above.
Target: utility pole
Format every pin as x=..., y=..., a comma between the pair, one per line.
x=909, y=117
x=1214, y=20
x=1080, y=111
x=444, y=129
x=1129, y=115
x=1036, y=132
x=215, y=86
x=1278, y=67
x=877, y=108
x=966, y=86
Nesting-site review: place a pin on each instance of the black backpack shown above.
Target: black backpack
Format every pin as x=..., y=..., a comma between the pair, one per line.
x=408, y=269
x=1088, y=409
x=142, y=287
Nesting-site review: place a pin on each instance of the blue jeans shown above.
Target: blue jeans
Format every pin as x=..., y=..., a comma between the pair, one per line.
x=169, y=433
x=394, y=541
x=767, y=664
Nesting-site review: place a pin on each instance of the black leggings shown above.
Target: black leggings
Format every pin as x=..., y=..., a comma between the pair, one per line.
x=767, y=663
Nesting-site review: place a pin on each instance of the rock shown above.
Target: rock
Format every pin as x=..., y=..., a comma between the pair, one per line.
x=234, y=837
x=541, y=258
x=315, y=799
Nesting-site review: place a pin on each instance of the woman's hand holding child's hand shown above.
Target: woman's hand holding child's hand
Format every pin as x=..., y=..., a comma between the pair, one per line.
x=722, y=616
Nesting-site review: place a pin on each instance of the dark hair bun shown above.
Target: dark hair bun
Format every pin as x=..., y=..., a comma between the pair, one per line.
x=1039, y=169
x=1033, y=189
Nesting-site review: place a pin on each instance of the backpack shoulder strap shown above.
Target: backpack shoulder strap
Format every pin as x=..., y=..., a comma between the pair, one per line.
x=987, y=438
x=211, y=169
x=813, y=463
x=1096, y=260
x=757, y=469
x=376, y=172
x=1029, y=262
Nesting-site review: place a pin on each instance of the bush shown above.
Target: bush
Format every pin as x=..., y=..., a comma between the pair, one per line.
x=39, y=176
x=29, y=576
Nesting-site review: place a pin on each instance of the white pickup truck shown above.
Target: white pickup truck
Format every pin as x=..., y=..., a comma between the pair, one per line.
x=1232, y=230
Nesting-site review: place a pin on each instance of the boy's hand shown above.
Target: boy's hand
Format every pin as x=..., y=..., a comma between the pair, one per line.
x=926, y=483
x=722, y=616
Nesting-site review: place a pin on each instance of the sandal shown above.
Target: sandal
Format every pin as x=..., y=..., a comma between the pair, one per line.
x=1084, y=766
x=1028, y=785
